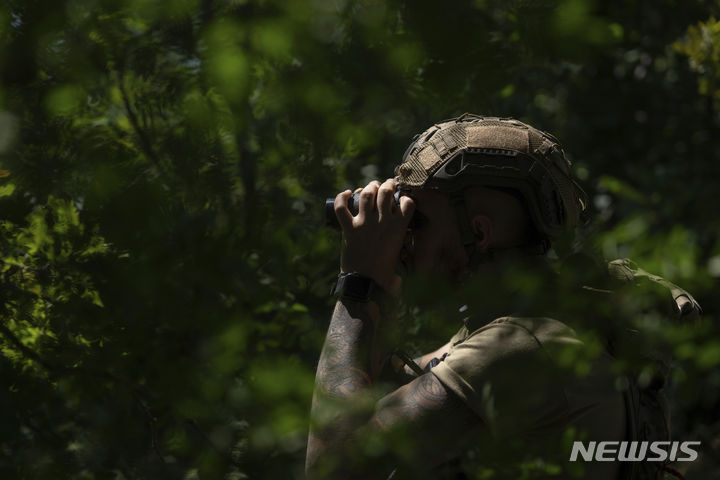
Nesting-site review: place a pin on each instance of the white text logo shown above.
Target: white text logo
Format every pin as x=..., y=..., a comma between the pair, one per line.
x=634, y=451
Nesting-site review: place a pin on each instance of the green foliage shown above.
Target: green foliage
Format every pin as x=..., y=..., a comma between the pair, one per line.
x=164, y=274
x=700, y=45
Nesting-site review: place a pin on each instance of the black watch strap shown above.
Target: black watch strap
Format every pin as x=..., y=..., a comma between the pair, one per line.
x=356, y=287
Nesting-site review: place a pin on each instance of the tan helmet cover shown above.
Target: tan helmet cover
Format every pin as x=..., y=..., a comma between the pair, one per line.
x=497, y=152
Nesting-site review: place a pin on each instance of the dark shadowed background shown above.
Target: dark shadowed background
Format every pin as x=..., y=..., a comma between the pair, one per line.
x=164, y=271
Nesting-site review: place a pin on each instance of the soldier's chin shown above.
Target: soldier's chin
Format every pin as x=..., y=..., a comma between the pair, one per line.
x=452, y=274
x=405, y=266
x=461, y=275
x=440, y=273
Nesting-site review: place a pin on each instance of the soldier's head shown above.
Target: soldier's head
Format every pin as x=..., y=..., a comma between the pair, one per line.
x=484, y=186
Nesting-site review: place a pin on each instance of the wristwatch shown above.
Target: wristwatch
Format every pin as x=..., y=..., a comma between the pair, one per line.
x=356, y=287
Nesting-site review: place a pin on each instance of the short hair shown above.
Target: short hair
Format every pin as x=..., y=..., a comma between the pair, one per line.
x=507, y=210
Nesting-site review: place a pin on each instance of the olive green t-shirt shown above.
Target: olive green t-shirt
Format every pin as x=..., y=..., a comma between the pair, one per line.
x=530, y=380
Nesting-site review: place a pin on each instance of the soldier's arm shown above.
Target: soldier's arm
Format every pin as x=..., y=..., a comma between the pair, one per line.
x=416, y=424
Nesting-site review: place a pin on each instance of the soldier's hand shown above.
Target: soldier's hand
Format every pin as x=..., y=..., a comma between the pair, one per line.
x=373, y=238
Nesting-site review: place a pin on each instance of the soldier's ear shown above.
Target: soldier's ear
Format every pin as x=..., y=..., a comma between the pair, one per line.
x=483, y=229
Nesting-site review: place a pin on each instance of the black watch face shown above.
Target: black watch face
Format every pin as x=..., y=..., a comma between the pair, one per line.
x=356, y=286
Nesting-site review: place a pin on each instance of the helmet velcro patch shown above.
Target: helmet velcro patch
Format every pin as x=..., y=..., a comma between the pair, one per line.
x=492, y=136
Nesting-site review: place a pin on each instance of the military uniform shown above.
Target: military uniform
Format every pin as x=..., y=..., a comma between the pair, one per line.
x=516, y=372
x=509, y=373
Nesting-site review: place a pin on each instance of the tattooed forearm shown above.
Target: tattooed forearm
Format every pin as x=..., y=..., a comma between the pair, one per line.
x=422, y=411
x=424, y=394
x=344, y=371
x=344, y=368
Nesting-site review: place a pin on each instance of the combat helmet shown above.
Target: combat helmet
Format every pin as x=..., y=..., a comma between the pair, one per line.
x=498, y=153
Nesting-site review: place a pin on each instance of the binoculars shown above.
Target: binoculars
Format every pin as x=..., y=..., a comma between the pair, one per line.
x=354, y=207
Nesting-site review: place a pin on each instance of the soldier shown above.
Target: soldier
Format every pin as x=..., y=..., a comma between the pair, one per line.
x=479, y=198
